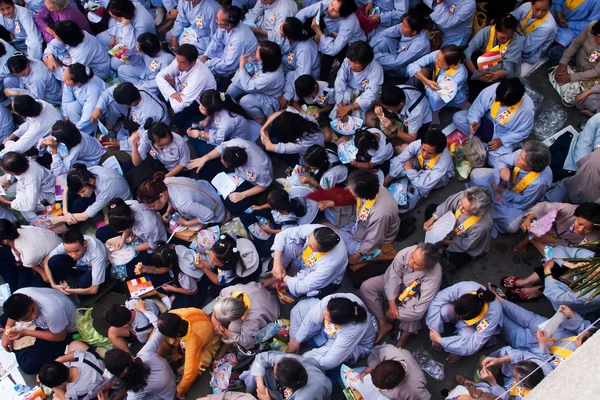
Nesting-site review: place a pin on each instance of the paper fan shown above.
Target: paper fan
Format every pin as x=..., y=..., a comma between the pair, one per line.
x=347, y=152
x=206, y=238
x=448, y=88
x=348, y=127
x=348, y=375
x=42, y=221
x=441, y=228
x=312, y=209
x=123, y=255
x=543, y=225
x=220, y=379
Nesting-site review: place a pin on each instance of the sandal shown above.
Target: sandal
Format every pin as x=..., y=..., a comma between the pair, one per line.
x=499, y=291
x=517, y=295
x=460, y=379
x=509, y=282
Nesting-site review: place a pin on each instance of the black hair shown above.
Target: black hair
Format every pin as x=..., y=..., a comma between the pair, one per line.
x=587, y=211
x=17, y=63
x=17, y=306
x=506, y=22
x=347, y=8
x=364, y=183
x=316, y=157
x=53, y=374
x=365, y=140
x=66, y=132
x=270, y=55
x=69, y=33
x=131, y=371
x=7, y=2
x=536, y=1
x=122, y=9
x=327, y=238
x=360, y=52
x=172, y=325
x=289, y=127
x=120, y=216
x=2, y=50
x=118, y=316
x=126, y=94
x=435, y=138
x=159, y=130
x=596, y=28
x=189, y=52
x=453, y=55
x=416, y=20
x=235, y=156
x=80, y=73
x=388, y=374
x=305, y=85
x=215, y=101
x=8, y=230
x=291, y=373
x=469, y=305
x=343, y=311
x=293, y=29
x=149, y=44
x=392, y=95
x=73, y=236
x=27, y=106
x=165, y=256
x=79, y=178
x=14, y=163
x=235, y=14
x=536, y=374
x=224, y=250
x=280, y=200
x=510, y=91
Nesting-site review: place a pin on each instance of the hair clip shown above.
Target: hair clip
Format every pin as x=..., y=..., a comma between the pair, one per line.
x=222, y=237
x=304, y=32
x=87, y=71
x=355, y=310
x=222, y=96
x=18, y=53
x=235, y=249
x=113, y=205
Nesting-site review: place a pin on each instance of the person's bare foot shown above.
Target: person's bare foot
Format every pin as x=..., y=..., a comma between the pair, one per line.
x=521, y=247
x=401, y=343
x=384, y=328
x=587, y=113
x=531, y=292
x=453, y=358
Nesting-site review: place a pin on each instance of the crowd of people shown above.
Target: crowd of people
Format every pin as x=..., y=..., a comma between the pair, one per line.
x=123, y=119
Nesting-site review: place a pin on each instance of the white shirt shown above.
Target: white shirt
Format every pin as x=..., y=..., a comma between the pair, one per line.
x=191, y=84
x=34, y=244
x=56, y=310
x=34, y=129
x=95, y=257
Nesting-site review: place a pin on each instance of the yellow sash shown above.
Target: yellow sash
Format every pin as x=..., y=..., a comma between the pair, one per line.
x=310, y=258
x=363, y=212
x=431, y=163
x=448, y=72
x=518, y=391
x=535, y=23
x=478, y=318
x=330, y=328
x=523, y=183
x=573, y=4
x=561, y=351
x=246, y=300
x=506, y=114
x=469, y=222
x=490, y=44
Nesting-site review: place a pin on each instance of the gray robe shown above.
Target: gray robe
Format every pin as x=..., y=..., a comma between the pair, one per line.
x=414, y=384
x=585, y=184
x=565, y=219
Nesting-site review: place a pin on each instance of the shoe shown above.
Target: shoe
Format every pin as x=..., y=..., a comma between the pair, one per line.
x=160, y=16
x=405, y=232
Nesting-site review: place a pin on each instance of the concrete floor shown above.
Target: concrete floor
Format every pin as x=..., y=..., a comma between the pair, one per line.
x=499, y=262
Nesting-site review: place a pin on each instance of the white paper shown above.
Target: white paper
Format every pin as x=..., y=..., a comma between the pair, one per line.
x=550, y=326
x=224, y=184
x=441, y=228
x=367, y=389
x=112, y=163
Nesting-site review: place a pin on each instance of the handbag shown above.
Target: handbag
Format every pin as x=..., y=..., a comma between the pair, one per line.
x=568, y=91
x=479, y=21
x=475, y=152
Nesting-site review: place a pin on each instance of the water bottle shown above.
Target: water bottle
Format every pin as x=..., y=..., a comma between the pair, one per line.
x=278, y=345
x=459, y=154
x=21, y=389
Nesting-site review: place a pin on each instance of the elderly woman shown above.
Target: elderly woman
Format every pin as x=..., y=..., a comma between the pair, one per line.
x=572, y=18
x=367, y=224
x=309, y=259
x=409, y=285
x=58, y=10
x=584, y=48
x=473, y=227
x=240, y=312
x=519, y=180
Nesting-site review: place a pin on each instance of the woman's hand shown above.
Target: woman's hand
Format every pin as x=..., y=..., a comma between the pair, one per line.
x=526, y=225
x=236, y=197
x=487, y=376
x=474, y=127
x=563, y=79
x=491, y=361
x=51, y=62
x=324, y=204
x=194, y=133
x=542, y=338
x=566, y=311
x=307, y=181
x=112, y=42
x=165, y=218
x=428, y=224
x=435, y=336
x=243, y=60
x=580, y=98
x=135, y=139
x=433, y=85
x=197, y=164
x=293, y=346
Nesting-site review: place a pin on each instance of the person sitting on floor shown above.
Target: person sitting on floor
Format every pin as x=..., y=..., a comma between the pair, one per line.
x=133, y=321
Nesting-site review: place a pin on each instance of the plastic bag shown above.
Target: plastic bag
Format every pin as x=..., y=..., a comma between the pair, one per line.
x=537, y=97
x=89, y=335
x=235, y=228
x=475, y=152
x=429, y=365
x=550, y=120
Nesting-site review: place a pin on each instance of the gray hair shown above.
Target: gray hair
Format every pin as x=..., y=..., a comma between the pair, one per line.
x=537, y=155
x=229, y=309
x=480, y=200
x=432, y=254
x=60, y=4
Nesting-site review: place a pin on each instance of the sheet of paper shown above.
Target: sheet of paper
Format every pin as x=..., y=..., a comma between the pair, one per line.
x=112, y=163
x=367, y=389
x=224, y=184
x=550, y=326
x=441, y=228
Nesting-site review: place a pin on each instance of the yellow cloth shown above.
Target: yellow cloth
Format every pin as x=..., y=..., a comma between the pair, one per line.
x=449, y=72
x=490, y=44
x=469, y=222
x=198, y=340
x=573, y=4
x=478, y=318
x=561, y=351
x=534, y=24
x=506, y=114
x=310, y=257
x=518, y=391
x=523, y=183
x=246, y=300
x=431, y=163
x=362, y=213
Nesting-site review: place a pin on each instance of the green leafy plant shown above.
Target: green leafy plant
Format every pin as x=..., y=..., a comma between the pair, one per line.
x=587, y=272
